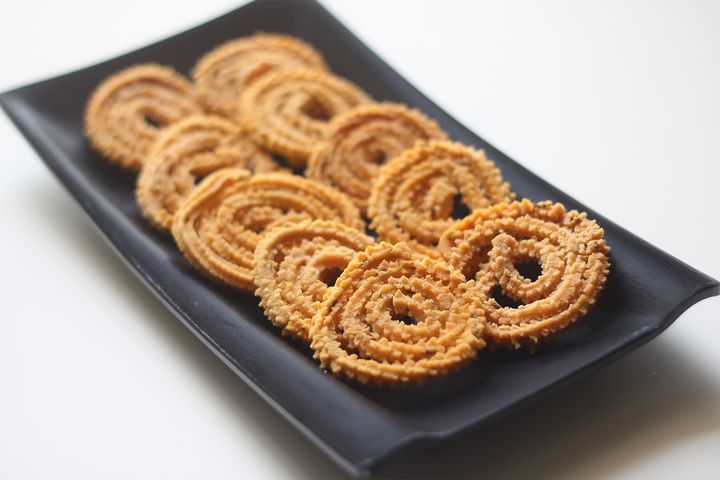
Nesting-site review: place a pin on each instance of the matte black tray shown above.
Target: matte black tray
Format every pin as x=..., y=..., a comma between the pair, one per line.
x=358, y=427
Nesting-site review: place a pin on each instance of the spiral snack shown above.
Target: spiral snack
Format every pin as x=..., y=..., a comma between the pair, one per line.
x=570, y=249
x=288, y=111
x=396, y=316
x=361, y=140
x=415, y=193
x=295, y=264
x=223, y=73
x=187, y=151
x=219, y=225
x=129, y=109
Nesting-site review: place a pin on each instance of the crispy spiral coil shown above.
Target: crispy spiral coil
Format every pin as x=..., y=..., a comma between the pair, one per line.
x=223, y=73
x=361, y=140
x=396, y=316
x=288, y=111
x=219, y=225
x=187, y=151
x=570, y=249
x=295, y=265
x=413, y=197
x=129, y=109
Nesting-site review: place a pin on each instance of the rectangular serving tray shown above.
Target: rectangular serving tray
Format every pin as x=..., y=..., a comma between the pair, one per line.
x=358, y=427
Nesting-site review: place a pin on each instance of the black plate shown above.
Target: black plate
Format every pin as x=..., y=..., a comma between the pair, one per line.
x=358, y=427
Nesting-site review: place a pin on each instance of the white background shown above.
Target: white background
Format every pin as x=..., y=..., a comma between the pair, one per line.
x=617, y=103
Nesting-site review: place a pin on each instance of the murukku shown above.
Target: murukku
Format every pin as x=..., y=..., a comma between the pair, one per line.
x=296, y=264
x=416, y=194
x=361, y=140
x=491, y=245
x=187, y=151
x=396, y=316
x=223, y=73
x=288, y=111
x=129, y=109
x=219, y=225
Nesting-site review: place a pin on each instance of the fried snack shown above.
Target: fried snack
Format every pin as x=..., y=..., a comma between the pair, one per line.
x=415, y=194
x=489, y=244
x=288, y=111
x=395, y=316
x=223, y=73
x=187, y=151
x=219, y=225
x=129, y=109
x=295, y=265
x=361, y=140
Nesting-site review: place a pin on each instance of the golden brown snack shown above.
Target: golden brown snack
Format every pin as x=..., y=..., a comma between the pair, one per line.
x=361, y=140
x=415, y=193
x=187, y=151
x=489, y=244
x=296, y=264
x=288, y=111
x=223, y=73
x=128, y=110
x=395, y=316
x=219, y=225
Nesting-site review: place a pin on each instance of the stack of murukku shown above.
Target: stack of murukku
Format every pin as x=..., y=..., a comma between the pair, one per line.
x=393, y=251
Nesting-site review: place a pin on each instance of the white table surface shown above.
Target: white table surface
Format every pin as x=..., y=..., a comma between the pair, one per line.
x=616, y=103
